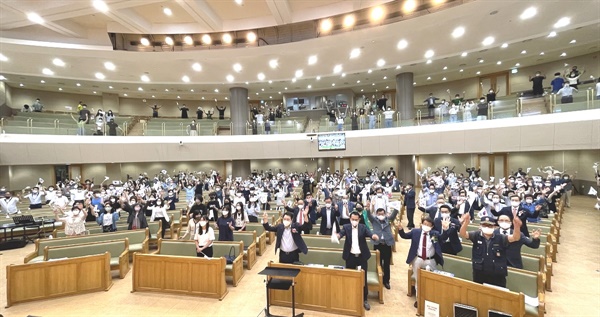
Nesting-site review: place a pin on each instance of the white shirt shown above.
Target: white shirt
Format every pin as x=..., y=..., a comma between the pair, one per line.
x=345, y=212
x=61, y=201
x=9, y=205
x=259, y=118
x=50, y=195
x=34, y=198
x=287, y=241
x=206, y=238
x=429, y=245
x=355, y=249
x=158, y=212
x=380, y=202
x=78, y=194
x=107, y=220
x=389, y=114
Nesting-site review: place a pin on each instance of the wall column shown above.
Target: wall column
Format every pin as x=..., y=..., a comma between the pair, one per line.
x=238, y=109
x=240, y=168
x=405, y=95
x=111, y=102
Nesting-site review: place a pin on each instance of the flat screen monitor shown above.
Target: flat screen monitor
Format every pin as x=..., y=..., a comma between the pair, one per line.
x=332, y=141
x=493, y=313
x=461, y=310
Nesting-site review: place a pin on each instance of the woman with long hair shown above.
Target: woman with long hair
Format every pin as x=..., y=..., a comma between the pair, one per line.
x=240, y=217
x=204, y=237
x=159, y=213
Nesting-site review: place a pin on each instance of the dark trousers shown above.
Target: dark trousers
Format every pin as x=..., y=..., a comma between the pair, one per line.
x=385, y=255
x=447, y=248
x=165, y=225
x=489, y=278
x=289, y=257
x=35, y=206
x=354, y=262
x=208, y=252
x=431, y=112
x=344, y=221
x=410, y=214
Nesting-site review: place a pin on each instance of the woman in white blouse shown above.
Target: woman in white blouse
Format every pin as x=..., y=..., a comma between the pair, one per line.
x=253, y=210
x=74, y=220
x=204, y=238
x=193, y=226
x=159, y=213
x=240, y=217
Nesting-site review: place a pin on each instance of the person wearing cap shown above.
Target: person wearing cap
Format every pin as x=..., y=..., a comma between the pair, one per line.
x=513, y=252
x=490, y=264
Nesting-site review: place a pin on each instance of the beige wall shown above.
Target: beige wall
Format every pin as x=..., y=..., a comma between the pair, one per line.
x=450, y=160
x=20, y=177
x=54, y=101
x=286, y=165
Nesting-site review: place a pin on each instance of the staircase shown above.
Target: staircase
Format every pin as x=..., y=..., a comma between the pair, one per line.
x=136, y=128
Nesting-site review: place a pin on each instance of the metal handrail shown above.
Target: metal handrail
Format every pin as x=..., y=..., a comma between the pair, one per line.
x=163, y=128
x=216, y=128
x=398, y=122
x=379, y=121
x=2, y=123
x=490, y=111
x=56, y=123
x=125, y=128
x=419, y=117
x=588, y=94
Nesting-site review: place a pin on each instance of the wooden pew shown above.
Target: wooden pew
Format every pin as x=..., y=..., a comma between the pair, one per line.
x=259, y=242
x=45, y=280
x=263, y=237
x=118, y=250
x=155, y=232
x=138, y=242
x=180, y=275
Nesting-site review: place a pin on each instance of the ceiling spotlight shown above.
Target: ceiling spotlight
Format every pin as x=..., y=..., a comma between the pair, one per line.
x=47, y=71
x=377, y=14
x=145, y=78
x=79, y=85
x=337, y=68
x=110, y=87
x=237, y=67
x=239, y=2
x=402, y=44
x=125, y=95
x=562, y=22
x=444, y=78
x=499, y=63
x=58, y=62
x=140, y=89
x=270, y=81
x=355, y=53
x=294, y=79
x=169, y=40
x=3, y=58
x=523, y=52
x=318, y=77
x=370, y=71
x=573, y=42
x=100, y=5
x=197, y=67
x=428, y=78
x=517, y=64
x=461, y=70
x=358, y=81
x=343, y=74
x=109, y=66
x=464, y=54
x=428, y=61
x=504, y=45
x=409, y=6
x=445, y=67
x=188, y=40
x=384, y=77
x=458, y=32
x=429, y=54
x=542, y=53
x=312, y=59
x=326, y=25
x=206, y=39
x=59, y=88
x=398, y=67
x=488, y=41
x=349, y=21
x=481, y=61
x=299, y=73
x=20, y=85
x=227, y=38
x=528, y=13
x=273, y=63
x=563, y=54
x=333, y=84
x=230, y=78
x=35, y=18
x=144, y=41
x=216, y=90
x=478, y=73
x=251, y=37
x=552, y=34
x=185, y=79
x=42, y=81
x=167, y=11
x=309, y=86
x=260, y=76
x=380, y=62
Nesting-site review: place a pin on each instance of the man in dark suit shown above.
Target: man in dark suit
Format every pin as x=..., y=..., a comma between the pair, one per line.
x=425, y=249
x=345, y=207
x=356, y=252
x=516, y=210
x=311, y=203
x=513, y=251
x=289, y=240
x=382, y=227
x=329, y=213
x=298, y=213
x=463, y=205
x=451, y=245
x=353, y=191
x=409, y=202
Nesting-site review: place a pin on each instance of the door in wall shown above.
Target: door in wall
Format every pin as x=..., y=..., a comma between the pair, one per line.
x=498, y=82
x=341, y=164
x=228, y=170
x=61, y=173
x=75, y=172
x=493, y=164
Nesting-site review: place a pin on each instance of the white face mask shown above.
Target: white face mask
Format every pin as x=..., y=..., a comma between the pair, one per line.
x=379, y=194
x=202, y=223
x=380, y=217
x=425, y=228
x=487, y=230
x=504, y=225
x=286, y=223
x=225, y=213
x=445, y=216
x=238, y=208
x=354, y=223
x=300, y=206
x=495, y=200
x=328, y=205
x=515, y=203
x=108, y=208
x=345, y=201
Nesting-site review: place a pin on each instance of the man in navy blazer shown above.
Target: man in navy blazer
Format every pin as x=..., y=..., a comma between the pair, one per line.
x=515, y=209
x=356, y=251
x=289, y=240
x=451, y=245
x=330, y=214
x=513, y=251
x=409, y=202
x=425, y=248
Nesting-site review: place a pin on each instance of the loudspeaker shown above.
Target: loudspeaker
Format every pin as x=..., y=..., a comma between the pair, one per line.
x=12, y=244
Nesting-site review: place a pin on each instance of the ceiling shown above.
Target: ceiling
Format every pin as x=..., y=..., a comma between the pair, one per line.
x=77, y=33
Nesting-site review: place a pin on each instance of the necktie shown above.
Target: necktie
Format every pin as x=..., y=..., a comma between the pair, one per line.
x=514, y=211
x=424, y=249
x=505, y=232
x=300, y=216
x=346, y=210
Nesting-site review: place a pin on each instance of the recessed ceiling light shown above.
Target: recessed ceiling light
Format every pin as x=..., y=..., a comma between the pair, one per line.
x=461, y=70
x=60, y=88
x=563, y=54
x=429, y=61
x=285, y=88
x=270, y=81
x=167, y=11
x=362, y=90
x=145, y=78
x=377, y=13
x=542, y=53
x=428, y=78
x=326, y=25
x=429, y=54
x=458, y=32
x=528, y=13
x=445, y=67
x=109, y=66
x=206, y=39
x=552, y=34
x=343, y=74
x=260, y=76
x=333, y=84
x=239, y=2
x=58, y=62
x=125, y=95
x=191, y=90
x=35, y=18
x=169, y=40
x=237, y=67
x=504, y=45
x=227, y=38
x=562, y=22
x=517, y=64
x=402, y=44
x=523, y=52
x=95, y=92
x=309, y=86
x=337, y=69
x=140, y=89
x=373, y=84
x=573, y=42
x=488, y=41
x=247, y=83
x=21, y=85
x=355, y=53
x=229, y=78
x=370, y=71
x=78, y=84
x=444, y=78
x=358, y=81
x=299, y=73
x=100, y=5
x=478, y=73
x=387, y=87
x=499, y=63
x=398, y=67
x=110, y=87
x=318, y=77
x=409, y=6
x=464, y=54
x=3, y=58
x=216, y=90
x=312, y=59
x=349, y=21
x=188, y=40
x=414, y=83
x=185, y=79
x=144, y=41
x=380, y=62
x=481, y=61
x=42, y=81
x=257, y=94
x=197, y=67
x=178, y=97
x=384, y=77
x=279, y=92
x=47, y=71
